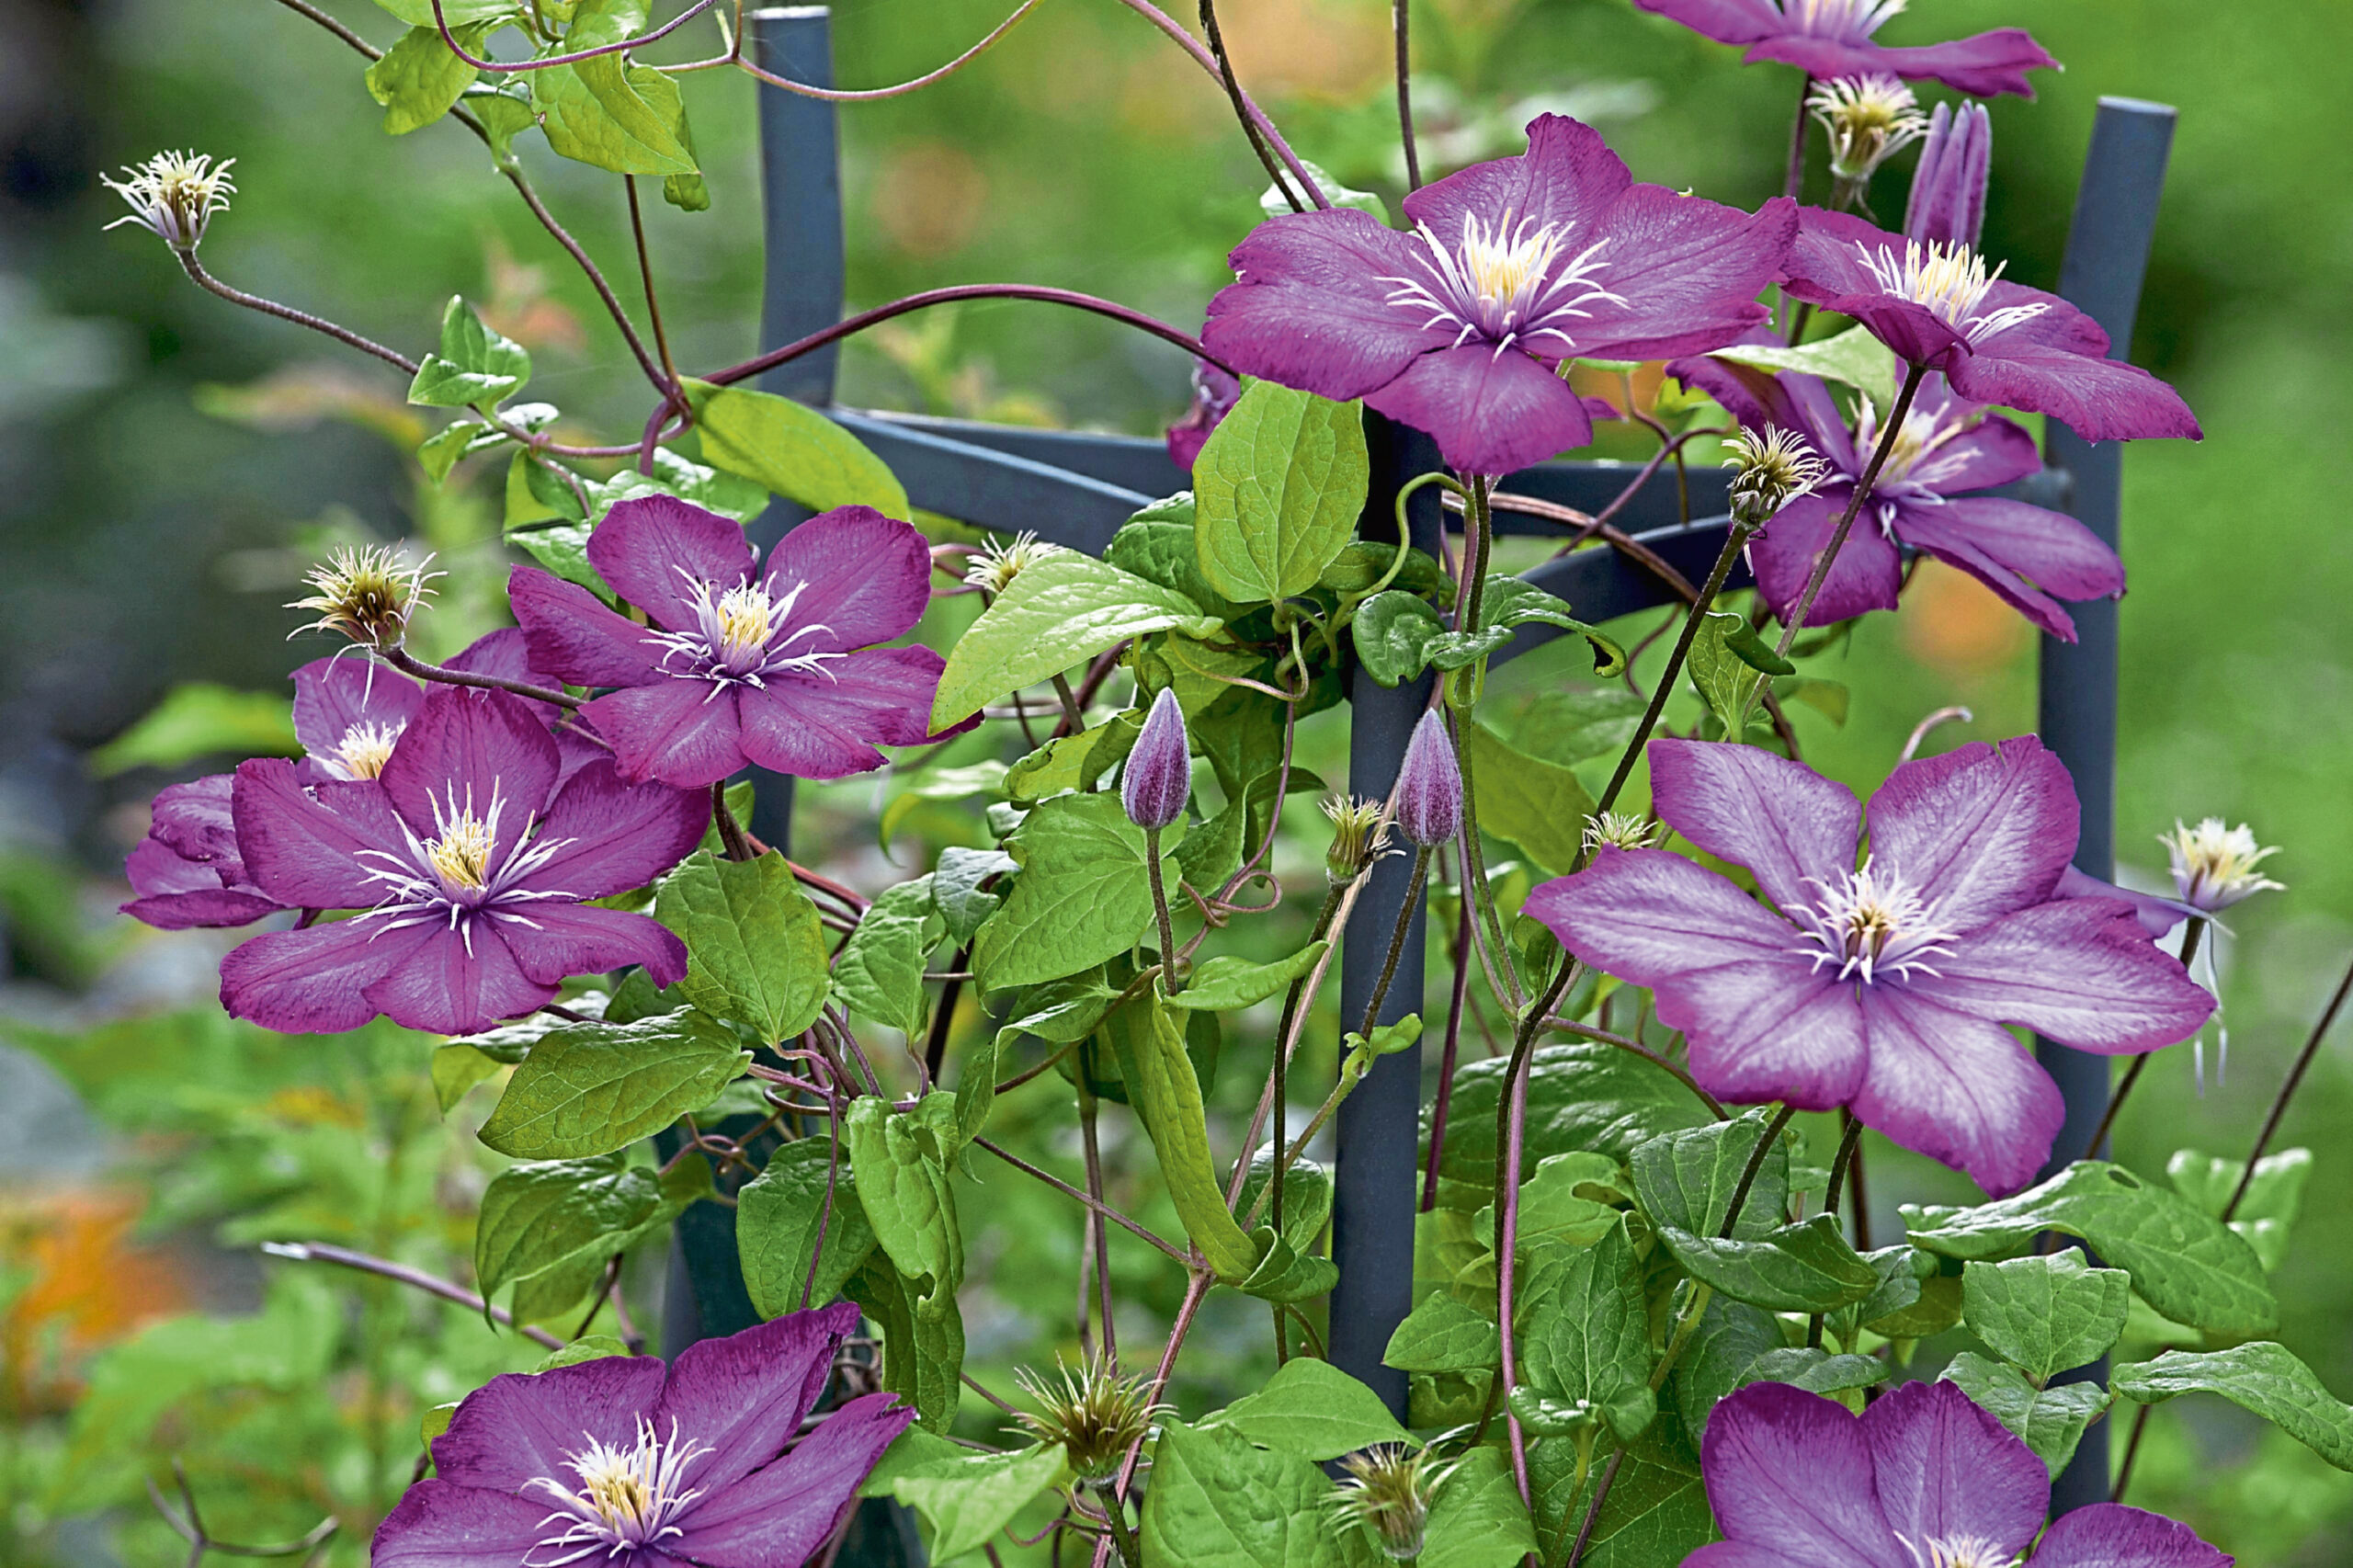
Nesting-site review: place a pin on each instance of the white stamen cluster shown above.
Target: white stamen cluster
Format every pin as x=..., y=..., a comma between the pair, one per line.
x=1868, y=921
x=628, y=1498
x=1621, y=830
x=1870, y=118
x=1358, y=836
x=368, y=595
x=1503, y=283
x=1388, y=1491
x=1916, y=458
x=1949, y=282
x=173, y=196
x=2214, y=864
x=1772, y=467
x=1840, y=18
x=994, y=567
x=739, y=635
x=451, y=875
x=1959, y=1551
x=364, y=750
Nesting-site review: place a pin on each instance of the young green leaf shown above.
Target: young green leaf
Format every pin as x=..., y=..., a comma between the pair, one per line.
x=2045, y=1314
x=629, y=118
x=880, y=972
x=1477, y=1519
x=419, y=77
x=1082, y=897
x=1586, y=1327
x=902, y=1168
x=1687, y=1179
x=1853, y=357
x=1537, y=805
x=1167, y=1094
x=1442, y=1335
x=1718, y=671
x=963, y=1501
x=923, y=1340
x=1218, y=1502
x=1804, y=1268
x=755, y=949
x=2272, y=1198
x=1277, y=491
x=1226, y=982
x=473, y=364
x=540, y=1216
x=2265, y=1377
x=2049, y=1421
x=591, y=1089
x=1581, y=1095
x=777, y=1216
x=793, y=450
x=1313, y=1410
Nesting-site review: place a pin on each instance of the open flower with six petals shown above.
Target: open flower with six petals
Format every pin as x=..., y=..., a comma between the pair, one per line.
x=1836, y=38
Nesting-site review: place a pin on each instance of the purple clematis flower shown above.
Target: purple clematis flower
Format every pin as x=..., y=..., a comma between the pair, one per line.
x=1513, y=267
x=1832, y=37
x=1882, y=988
x=1214, y=395
x=620, y=1463
x=1922, y=1479
x=2000, y=342
x=774, y=667
x=188, y=871
x=472, y=867
x=1948, y=446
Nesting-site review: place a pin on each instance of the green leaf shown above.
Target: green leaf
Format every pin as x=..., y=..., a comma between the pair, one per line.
x=505, y=115
x=1828, y=698
x=1217, y=1501
x=1167, y=1094
x=1158, y=545
x=878, y=974
x=593, y=1088
x=1477, y=1519
x=2049, y=1421
x=1272, y=203
x=1442, y=1335
x=1540, y=806
x=923, y=1340
x=588, y=1348
x=419, y=77
x=956, y=888
x=712, y=489
x=1313, y=1410
x=629, y=118
x=2272, y=1198
x=1655, y=1516
x=1570, y=725
x=1285, y=1272
x=902, y=1186
x=688, y=193
x=473, y=364
x=1082, y=897
x=200, y=719
x=1075, y=762
x=1508, y=603
x=1586, y=1327
x=1365, y=563
x=1393, y=630
x=459, y=439
x=541, y=1216
x=1853, y=358
x=562, y=549
x=1057, y=612
x=1816, y=1370
x=1804, y=1268
x=1225, y=983
x=2183, y=1263
x=1307, y=1196
x=1731, y=1338
x=777, y=1216
x=1276, y=492
x=2264, y=1378
x=910, y=1450
x=1718, y=672
x=1935, y=1308
x=1580, y=1096
x=965, y=1500
x=456, y=1070
x=793, y=450
x=1687, y=1179
x=2046, y=1313
x=459, y=13
x=755, y=949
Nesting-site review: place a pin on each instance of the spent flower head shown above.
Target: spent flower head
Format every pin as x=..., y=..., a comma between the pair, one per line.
x=995, y=565
x=1358, y=836
x=173, y=196
x=1388, y=1491
x=368, y=595
x=2214, y=864
x=1621, y=830
x=1093, y=1413
x=1868, y=119
x=1771, y=468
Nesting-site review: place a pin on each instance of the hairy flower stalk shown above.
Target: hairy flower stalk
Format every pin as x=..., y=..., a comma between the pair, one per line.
x=368, y=595
x=1868, y=119
x=173, y=196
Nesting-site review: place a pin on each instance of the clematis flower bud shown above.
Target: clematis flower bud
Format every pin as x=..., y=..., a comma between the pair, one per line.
x=1429, y=785
x=368, y=595
x=1773, y=468
x=173, y=196
x=1214, y=395
x=1868, y=119
x=1388, y=1491
x=1159, y=776
x=2214, y=866
x=1358, y=837
x=1948, y=205
x=994, y=569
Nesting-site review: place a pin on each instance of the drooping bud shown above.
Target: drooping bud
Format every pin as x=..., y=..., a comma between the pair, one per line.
x=1948, y=205
x=994, y=566
x=1429, y=785
x=1093, y=1414
x=1869, y=118
x=367, y=595
x=1358, y=836
x=1215, y=392
x=1159, y=776
x=1771, y=469
x=1621, y=830
x=2215, y=864
x=1387, y=1491
x=173, y=196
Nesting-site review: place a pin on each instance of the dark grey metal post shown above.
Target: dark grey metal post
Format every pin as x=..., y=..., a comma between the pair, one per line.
x=1374, y=1181
x=2107, y=258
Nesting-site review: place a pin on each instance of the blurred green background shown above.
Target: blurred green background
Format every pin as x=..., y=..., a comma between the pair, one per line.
x=168, y=465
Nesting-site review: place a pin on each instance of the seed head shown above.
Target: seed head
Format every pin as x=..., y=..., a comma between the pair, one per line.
x=1771, y=468
x=173, y=196
x=368, y=595
x=2215, y=864
x=1159, y=776
x=1868, y=119
x=1358, y=837
x=1388, y=1490
x=993, y=568
x=1429, y=785
x=1094, y=1414
x=1621, y=830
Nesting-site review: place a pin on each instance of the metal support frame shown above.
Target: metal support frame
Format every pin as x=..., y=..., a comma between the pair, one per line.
x=1076, y=489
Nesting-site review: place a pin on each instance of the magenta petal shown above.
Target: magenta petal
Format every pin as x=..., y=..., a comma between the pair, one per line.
x=2046, y=366
x=155, y=869
x=1994, y=451
x=1818, y=418
x=1492, y=410
x=783, y=1513
x=1565, y=180
x=552, y=941
x=1866, y=575
x=314, y=981
x=332, y=695
x=1977, y=832
x=1783, y=821
x=2058, y=554
x=442, y=1525
x=864, y=578
x=1826, y=267
x=573, y=636
x=745, y=1394
x=2081, y=970
x=1687, y=271
x=468, y=750
x=617, y=836
x=681, y=731
x=825, y=724
x=2108, y=1535
x=1646, y=915
x=1947, y=1470
x=2158, y=916
x=313, y=847
x=657, y=552
x=197, y=819
x=1310, y=309
x=209, y=908
x=1790, y=1472
x=521, y=1425
x=1727, y=21
x=1988, y=64
x=457, y=982
x=1769, y=1029
x=1956, y=1088
x=506, y=654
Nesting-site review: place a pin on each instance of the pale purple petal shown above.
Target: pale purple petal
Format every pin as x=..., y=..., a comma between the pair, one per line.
x=2002, y=544
x=198, y=818
x=1948, y=201
x=314, y=981
x=745, y=1394
x=619, y=836
x=1786, y=823
x=573, y=636
x=1743, y=1554
x=683, y=733
x=506, y=655
x=456, y=982
x=176, y=894
x=826, y=725
x=1947, y=1470
x=1825, y=268
x=1864, y=577
x=868, y=577
x=1727, y=21
x=1310, y=309
x=2108, y=1535
x=657, y=550
x=1977, y=832
x=1688, y=270
x=466, y=750
x=2053, y=363
x=1956, y=1088
x=1994, y=452
x=307, y=846
x=441, y=1525
x=1769, y=1029
x=2158, y=916
x=1567, y=180
x=521, y=1425
x=785, y=1512
x=1817, y=416
x=1789, y=1472
x=1988, y=64
x=1646, y=915
x=332, y=695
x=1491, y=412
x=551, y=941
x=2081, y=970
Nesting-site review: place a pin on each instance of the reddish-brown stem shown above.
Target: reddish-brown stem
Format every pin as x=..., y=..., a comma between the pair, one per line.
x=868, y=95
x=442, y=21
x=407, y=662
x=323, y=1252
